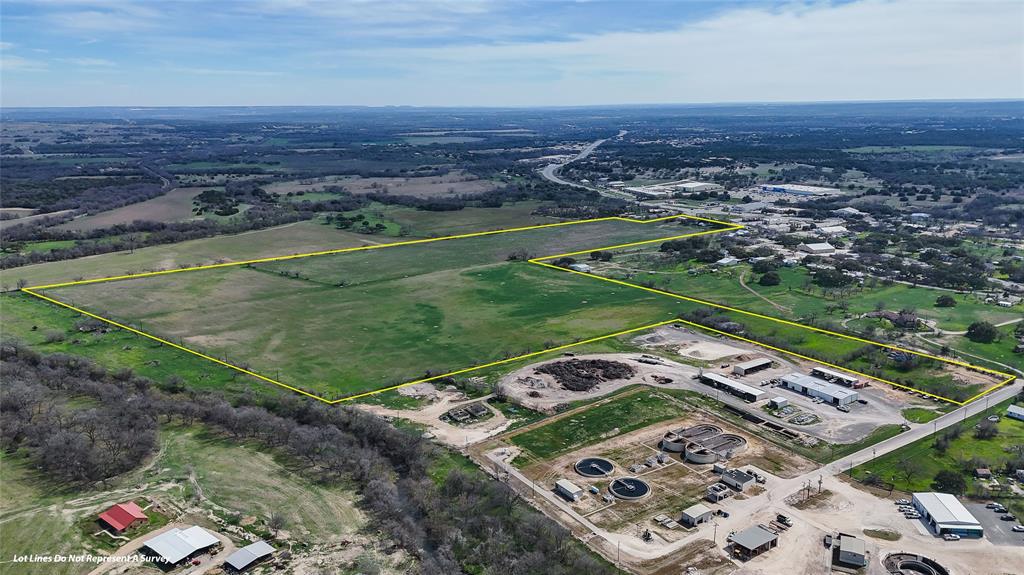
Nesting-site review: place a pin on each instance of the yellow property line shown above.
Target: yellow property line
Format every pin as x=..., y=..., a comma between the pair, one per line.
x=726, y=227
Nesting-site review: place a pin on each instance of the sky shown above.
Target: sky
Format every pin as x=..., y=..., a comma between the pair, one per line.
x=505, y=52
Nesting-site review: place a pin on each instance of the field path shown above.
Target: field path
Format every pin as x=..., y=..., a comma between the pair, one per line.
x=780, y=307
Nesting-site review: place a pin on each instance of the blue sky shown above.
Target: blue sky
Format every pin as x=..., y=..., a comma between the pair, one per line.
x=504, y=52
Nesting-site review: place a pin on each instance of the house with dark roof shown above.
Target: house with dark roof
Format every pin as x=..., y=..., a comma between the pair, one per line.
x=122, y=516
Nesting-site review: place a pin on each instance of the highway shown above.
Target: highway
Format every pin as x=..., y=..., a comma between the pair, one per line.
x=550, y=171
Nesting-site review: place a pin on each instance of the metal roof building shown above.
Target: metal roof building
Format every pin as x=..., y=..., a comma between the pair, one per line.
x=246, y=556
x=1015, y=412
x=754, y=541
x=568, y=489
x=732, y=386
x=121, y=516
x=176, y=544
x=852, y=551
x=945, y=514
x=837, y=377
x=751, y=366
x=696, y=514
x=814, y=387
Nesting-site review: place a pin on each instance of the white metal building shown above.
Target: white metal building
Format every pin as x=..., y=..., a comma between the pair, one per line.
x=817, y=249
x=1015, y=412
x=176, y=545
x=699, y=187
x=568, y=489
x=820, y=388
x=945, y=514
x=246, y=556
x=799, y=189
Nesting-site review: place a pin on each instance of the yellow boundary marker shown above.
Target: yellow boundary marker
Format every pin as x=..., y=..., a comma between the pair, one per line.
x=726, y=227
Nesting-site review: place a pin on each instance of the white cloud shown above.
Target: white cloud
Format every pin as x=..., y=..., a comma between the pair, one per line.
x=89, y=62
x=12, y=63
x=872, y=49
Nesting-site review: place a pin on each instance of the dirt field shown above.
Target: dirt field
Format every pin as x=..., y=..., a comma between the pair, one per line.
x=451, y=184
x=173, y=206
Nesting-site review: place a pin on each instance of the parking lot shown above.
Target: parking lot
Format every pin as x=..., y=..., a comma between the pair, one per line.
x=997, y=531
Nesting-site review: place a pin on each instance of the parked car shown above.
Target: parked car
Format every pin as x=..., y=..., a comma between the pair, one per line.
x=828, y=541
x=912, y=515
x=1008, y=517
x=951, y=537
x=843, y=408
x=902, y=502
x=1018, y=528
x=991, y=505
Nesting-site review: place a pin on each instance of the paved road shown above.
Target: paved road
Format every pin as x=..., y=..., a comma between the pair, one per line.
x=550, y=171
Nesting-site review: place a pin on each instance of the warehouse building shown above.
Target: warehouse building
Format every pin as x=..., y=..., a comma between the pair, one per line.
x=799, y=189
x=744, y=392
x=839, y=377
x=945, y=514
x=699, y=187
x=817, y=249
x=754, y=365
x=568, y=489
x=754, y=541
x=697, y=514
x=819, y=388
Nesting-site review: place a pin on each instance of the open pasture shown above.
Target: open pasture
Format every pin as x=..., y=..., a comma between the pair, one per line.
x=175, y=205
x=348, y=323
x=454, y=183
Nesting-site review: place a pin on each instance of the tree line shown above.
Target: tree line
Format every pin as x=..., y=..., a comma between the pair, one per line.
x=462, y=523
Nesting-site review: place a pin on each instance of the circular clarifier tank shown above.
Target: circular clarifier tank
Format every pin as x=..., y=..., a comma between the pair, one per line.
x=594, y=467
x=629, y=488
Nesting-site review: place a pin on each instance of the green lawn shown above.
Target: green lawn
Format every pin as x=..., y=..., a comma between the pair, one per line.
x=920, y=414
x=621, y=415
x=1001, y=351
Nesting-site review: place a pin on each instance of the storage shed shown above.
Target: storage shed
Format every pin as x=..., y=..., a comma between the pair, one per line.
x=249, y=555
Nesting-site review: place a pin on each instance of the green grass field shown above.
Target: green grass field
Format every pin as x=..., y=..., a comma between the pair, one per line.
x=301, y=237
x=926, y=461
x=383, y=317
x=797, y=301
x=623, y=414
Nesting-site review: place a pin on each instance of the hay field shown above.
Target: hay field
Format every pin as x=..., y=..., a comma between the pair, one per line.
x=175, y=205
x=355, y=322
x=454, y=183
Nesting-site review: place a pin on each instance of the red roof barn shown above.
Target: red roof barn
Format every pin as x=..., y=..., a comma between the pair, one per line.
x=121, y=516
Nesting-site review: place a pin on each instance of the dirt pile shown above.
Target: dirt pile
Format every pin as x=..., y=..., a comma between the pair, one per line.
x=585, y=374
